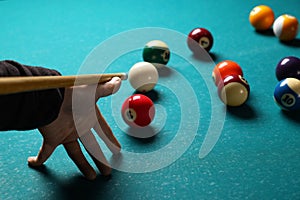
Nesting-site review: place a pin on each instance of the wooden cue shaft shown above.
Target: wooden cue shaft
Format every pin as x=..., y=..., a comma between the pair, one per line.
x=10, y=85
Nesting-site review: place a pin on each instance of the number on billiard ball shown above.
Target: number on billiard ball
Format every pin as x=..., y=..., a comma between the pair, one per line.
x=286, y=94
x=138, y=110
x=200, y=38
x=288, y=100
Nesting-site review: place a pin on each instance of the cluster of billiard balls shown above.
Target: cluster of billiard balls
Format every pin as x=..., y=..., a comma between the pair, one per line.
x=285, y=27
x=233, y=89
x=287, y=90
x=138, y=110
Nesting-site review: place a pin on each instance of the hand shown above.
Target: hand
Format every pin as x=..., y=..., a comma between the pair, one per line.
x=76, y=122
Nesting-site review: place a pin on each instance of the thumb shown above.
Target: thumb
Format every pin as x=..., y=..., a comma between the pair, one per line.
x=108, y=88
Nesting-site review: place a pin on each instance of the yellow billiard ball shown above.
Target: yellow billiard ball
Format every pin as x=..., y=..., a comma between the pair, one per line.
x=261, y=17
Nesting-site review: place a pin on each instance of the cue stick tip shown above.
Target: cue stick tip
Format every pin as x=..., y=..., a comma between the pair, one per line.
x=124, y=76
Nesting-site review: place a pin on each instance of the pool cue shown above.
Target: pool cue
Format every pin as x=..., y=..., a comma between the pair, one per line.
x=11, y=85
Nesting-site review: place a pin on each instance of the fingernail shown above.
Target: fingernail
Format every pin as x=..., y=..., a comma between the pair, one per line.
x=32, y=161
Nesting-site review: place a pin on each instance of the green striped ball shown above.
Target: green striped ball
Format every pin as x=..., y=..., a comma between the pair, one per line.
x=156, y=52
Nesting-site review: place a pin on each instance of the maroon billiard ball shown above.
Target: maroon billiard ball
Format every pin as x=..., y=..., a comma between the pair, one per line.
x=288, y=67
x=234, y=90
x=200, y=37
x=138, y=110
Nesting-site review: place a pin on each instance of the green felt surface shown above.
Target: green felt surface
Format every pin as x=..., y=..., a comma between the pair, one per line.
x=257, y=153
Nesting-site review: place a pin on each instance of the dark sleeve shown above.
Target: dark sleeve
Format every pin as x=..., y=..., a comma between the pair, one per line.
x=28, y=110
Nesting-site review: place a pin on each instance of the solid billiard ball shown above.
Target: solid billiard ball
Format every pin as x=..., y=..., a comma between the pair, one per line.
x=156, y=52
x=286, y=94
x=225, y=68
x=261, y=17
x=200, y=38
x=138, y=110
x=288, y=67
x=285, y=27
x=143, y=76
x=234, y=90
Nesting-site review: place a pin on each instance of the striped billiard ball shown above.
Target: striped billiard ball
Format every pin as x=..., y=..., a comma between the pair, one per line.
x=234, y=90
x=288, y=67
x=225, y=68
x=156, y=52
x=286, y=94
x=285, y=27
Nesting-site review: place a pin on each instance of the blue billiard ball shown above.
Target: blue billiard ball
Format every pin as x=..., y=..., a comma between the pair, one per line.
x=287, y=94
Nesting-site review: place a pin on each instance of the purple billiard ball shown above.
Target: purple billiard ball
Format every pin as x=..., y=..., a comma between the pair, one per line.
x=288, y=67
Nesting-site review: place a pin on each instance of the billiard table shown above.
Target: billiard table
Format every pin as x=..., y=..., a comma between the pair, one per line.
x=196, y=147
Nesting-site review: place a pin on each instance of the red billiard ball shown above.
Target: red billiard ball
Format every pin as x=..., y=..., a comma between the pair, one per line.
x=138, y=110
x=200, y=38
x=234, y=90
x=225, y=68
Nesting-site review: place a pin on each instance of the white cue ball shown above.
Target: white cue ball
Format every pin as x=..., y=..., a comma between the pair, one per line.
x=143, y=76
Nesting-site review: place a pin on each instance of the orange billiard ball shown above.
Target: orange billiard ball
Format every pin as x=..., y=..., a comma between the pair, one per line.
x=138, y=110
x=261, y=17
x=225, y=68
x=286, y=27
